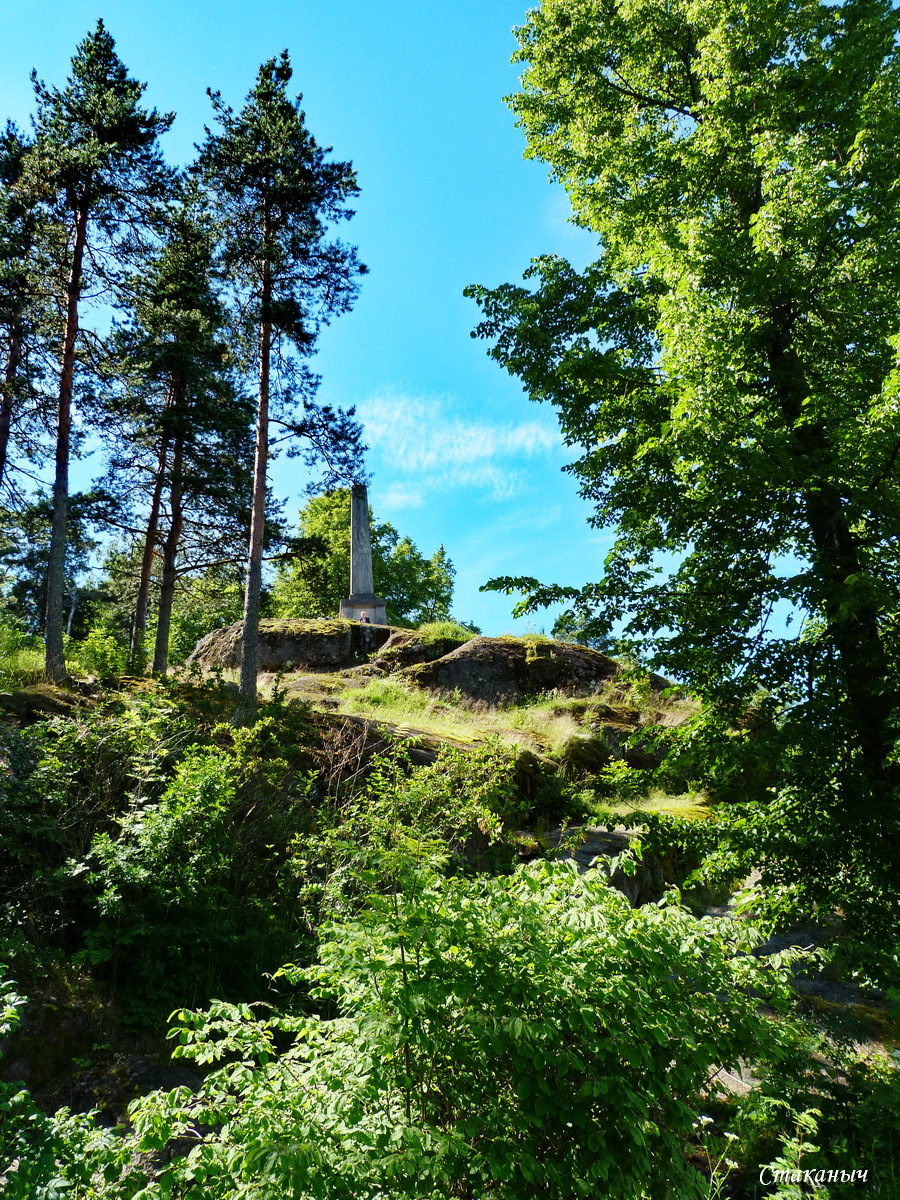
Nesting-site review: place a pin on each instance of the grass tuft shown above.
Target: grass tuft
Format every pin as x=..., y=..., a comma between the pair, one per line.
x=22, y=667
x=691, y=806
x=453, y=631
x=579, y=734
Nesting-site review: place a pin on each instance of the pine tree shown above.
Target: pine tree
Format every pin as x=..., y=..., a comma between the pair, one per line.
x=21, y=307
x=184, y=427
x=95, y=165
x=277, y=193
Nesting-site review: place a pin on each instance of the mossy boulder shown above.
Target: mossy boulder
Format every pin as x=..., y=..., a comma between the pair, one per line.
x=44, y=1044
x=39, y=702
x=294, y=645
x=504, y=670
x=409, y=647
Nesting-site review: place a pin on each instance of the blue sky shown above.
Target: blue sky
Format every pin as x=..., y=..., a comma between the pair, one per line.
x=411, y=91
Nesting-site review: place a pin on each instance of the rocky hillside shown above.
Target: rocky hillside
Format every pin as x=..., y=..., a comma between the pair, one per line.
x=496, y=671
x=574, y=710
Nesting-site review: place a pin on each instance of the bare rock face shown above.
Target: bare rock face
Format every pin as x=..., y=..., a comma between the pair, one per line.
x=294, y=645
x=504, y=670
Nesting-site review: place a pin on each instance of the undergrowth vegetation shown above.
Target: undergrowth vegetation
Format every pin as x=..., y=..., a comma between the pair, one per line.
x=545, y=722
x=21, y=655
x=148, y=838
x=177, y=854
x=449, y=1024
x=99, y=654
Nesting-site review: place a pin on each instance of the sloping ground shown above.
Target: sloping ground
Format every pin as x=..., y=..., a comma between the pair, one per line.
x=494, y=671
x=294, y=645
x=571, y=708
x=560, y=707
x=39, y=702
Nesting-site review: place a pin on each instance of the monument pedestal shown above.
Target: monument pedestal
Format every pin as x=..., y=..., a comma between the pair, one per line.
x=353, y=608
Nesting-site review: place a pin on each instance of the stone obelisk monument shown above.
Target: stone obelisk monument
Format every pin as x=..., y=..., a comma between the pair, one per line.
x=362, y=598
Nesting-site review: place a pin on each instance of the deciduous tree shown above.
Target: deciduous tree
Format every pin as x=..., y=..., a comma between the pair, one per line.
x=415, y=589
x=727, y=369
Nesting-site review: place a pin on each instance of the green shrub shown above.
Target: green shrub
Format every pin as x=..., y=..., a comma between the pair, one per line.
x=161, y=877
x=618, y=781
x=153, y=842
x=192, y=892
x=100, y=654
x=837, y=1103
x=496, y=1037
x=370, y=835
x=12, y=634
x=64, y=781
x=41, y=1157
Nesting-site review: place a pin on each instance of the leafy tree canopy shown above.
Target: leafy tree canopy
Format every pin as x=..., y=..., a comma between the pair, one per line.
x=727, y=368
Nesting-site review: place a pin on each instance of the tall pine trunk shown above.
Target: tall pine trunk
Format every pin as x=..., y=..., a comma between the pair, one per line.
x=170, y=553
x=142, y=601
x=10, y=375
x=55, y=661
x=250, y=643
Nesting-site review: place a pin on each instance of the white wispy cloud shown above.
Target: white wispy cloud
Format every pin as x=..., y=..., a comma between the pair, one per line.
x=399, y=496
x=421, y=438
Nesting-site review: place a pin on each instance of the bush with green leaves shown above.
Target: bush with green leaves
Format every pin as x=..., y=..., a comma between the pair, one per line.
x=42, y=1157
x=436, y=631
x=65, y=779
x=831, y=1102
x=101, y=653
x=618, y=781
x=160, y=879
x=496, y=1037
x=366, y=834
x=180, y=857
x=194, y=891
x=151, y=841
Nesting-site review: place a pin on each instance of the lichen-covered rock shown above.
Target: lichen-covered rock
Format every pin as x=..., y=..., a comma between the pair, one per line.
x=503, y=670
x=294, y=645
x=408, y=647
